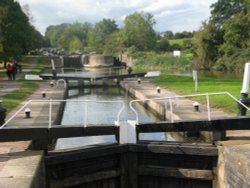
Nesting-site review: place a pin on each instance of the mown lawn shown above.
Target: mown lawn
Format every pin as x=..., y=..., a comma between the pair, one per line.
x=184, y=85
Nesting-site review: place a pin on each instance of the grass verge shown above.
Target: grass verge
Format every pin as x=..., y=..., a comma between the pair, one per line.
x=184, y=85
x=14, y=98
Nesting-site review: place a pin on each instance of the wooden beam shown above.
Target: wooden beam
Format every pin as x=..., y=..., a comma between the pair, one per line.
x=86, y=152
x=23, y=133
x=176, y=172
x=77, y=131
x=81, y=179
x=237, y=123
x=44, y=133
x=175, y=149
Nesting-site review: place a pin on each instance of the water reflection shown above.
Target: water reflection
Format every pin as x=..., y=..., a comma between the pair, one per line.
x=102, y=113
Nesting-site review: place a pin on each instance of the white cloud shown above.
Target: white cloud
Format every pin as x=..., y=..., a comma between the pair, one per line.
x=52, y=12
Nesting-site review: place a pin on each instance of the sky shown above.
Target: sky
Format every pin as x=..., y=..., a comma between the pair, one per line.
x=174, y=15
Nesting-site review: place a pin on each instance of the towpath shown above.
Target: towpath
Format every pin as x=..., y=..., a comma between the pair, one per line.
x=19, y=166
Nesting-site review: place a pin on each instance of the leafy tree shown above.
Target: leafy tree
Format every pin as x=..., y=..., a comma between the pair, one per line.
x=207, y=41
x=182, y=35
x=138, y=31
x=102, y=29
x=75, y=31
x=113, y=44
x=168, y=34
x=225, y=9
x=54, y=33
x=17, y=35
x=223, y=42
x=163, y=45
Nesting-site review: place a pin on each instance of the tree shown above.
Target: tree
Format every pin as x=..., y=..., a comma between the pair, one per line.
x=225, y=9
x=102, y=29
x=113, y=44
x=223, y=42
x=207, y=41
x=138, y=31
x=163, y=45
x=54, y=34
x=17, y=35
x=168, y=34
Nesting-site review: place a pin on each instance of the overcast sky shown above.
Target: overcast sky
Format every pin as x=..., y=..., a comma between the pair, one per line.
x=174, y=15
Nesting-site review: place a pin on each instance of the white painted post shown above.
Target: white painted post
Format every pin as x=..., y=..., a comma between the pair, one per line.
x=195, y=78
x=50, y=113
x=85, y=114
x=62, y=61
x=171, y=110
x=244, y=92
x=127, y=132
x=246, y=78
x=53, y=64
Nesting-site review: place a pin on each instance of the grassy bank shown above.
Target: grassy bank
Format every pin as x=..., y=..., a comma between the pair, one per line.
x=163, y=61
x=185, y=85
x=14, y=98
x=26, y=88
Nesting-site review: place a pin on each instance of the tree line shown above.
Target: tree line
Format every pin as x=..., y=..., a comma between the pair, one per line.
x=17, y=34
x=223, y=41
x=137, y=34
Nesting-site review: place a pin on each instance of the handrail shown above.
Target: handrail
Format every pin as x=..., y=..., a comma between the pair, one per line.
x=185, y=96
x=50, y=101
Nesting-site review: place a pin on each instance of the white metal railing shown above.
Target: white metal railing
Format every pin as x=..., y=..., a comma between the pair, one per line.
x=176, y=97
x=51, y=101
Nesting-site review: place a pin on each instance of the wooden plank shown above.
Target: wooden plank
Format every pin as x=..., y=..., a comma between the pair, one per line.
x=77, y=131
x=43, y=133
x=23, y=133
x=237, y=123
x=84, y=153
x=128, y=166
x=85, y=166
x=175, y=149
x=78, y=180
x=176, y=172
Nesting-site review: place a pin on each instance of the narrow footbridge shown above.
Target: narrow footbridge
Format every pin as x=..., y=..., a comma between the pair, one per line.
x=68, y=77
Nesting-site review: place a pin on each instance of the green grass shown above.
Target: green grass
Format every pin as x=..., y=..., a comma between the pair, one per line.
x=179, y=42
x=184, y=85
x=14, y=98
x=164, y=61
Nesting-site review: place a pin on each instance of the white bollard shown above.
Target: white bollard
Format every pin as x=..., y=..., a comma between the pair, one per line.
x=43, y=94
x=53, y=64
x=196, y=106
x=27, y=112
x=158, y=89
x=127, y=132
x=246, y=78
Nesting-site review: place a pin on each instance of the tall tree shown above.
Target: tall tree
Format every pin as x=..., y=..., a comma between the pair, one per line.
x=224, y=9
x=138, y=31
x=102, y=29
x=224, y=41
x=17, y=35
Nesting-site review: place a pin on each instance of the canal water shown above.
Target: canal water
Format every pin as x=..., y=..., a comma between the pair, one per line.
x=101, y=112
x=98, y=113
